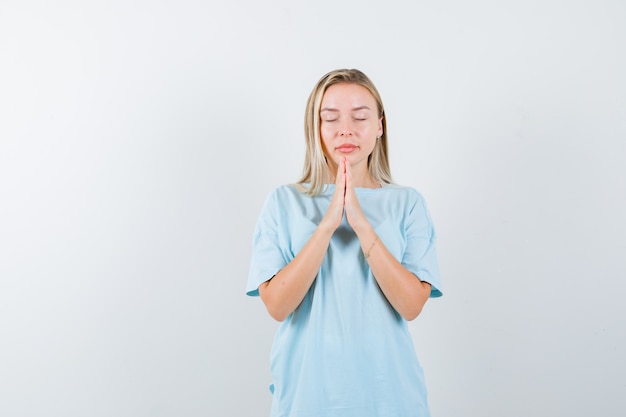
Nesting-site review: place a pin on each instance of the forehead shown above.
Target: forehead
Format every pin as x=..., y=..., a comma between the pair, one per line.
x=347, y=95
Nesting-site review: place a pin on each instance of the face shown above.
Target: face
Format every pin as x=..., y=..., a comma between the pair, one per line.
x=349, y=124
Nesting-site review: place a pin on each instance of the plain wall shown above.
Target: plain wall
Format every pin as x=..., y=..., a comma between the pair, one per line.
x=138, y=140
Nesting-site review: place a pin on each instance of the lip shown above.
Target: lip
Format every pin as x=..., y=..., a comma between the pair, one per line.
x=346, y=147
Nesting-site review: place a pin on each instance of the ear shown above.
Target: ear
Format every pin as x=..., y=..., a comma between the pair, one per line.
x=380, y=128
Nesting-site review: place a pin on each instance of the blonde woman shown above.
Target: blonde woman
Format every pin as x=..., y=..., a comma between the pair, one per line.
x=343, y=259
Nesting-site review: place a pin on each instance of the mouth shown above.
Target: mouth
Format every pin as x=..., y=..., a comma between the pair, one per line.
x=346, y=148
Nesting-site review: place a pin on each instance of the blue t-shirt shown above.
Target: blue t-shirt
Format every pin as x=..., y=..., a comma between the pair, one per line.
x=345, y=351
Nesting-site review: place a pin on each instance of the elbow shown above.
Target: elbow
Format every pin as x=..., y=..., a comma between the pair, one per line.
x=413, y=309
x=411, y=313
x=276, y=313
x=274, y=307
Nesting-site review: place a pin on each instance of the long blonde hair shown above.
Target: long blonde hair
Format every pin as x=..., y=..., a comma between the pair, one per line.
x=315, y=173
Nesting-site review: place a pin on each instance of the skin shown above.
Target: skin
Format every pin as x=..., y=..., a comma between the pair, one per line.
x=349, y=129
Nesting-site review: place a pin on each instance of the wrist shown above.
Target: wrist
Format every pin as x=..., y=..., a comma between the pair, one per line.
x=326, y=228
x=364, y=232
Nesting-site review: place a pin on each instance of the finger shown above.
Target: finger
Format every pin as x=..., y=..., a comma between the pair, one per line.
x=348, y=175
x=340, y=187
x=339, y=175
x=346, y=171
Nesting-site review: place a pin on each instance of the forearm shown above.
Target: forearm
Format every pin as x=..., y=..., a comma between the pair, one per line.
x=404, y=291
x=285, y=291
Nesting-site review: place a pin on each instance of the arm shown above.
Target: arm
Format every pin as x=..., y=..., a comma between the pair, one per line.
x=284, y=292
x=406, y=293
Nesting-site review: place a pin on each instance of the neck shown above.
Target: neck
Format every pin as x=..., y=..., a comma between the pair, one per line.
x=360, y=178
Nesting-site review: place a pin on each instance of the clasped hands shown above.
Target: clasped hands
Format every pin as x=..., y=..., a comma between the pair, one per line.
x=344, y=199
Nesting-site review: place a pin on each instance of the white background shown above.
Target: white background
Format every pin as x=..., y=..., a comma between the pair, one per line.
x=138, y=140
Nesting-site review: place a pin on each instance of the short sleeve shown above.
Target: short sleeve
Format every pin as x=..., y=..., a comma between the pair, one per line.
x=267, y=258
x=420, y=256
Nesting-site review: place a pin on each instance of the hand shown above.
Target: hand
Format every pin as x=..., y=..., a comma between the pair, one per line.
x=334, y=214
x=354, y=214
x=344, y=199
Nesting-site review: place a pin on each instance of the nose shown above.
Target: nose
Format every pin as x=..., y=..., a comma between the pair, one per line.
x=345, y=130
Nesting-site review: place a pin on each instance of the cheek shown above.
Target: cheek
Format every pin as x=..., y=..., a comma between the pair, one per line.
x=326, y=131
x=324, y=143
x=374, y=128
x=327, y=135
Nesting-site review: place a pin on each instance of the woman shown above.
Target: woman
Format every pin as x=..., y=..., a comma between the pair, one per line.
x=344, y=258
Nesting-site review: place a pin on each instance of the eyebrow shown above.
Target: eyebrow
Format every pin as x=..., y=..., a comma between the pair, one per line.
x=353, y=109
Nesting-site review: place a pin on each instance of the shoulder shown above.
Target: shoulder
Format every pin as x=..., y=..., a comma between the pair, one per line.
x=286, y=191
x=284, y=196
x=408, y=194
x=277, y=204
x=412, y=200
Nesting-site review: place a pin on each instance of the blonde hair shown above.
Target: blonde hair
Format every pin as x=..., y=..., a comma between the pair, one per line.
x=315, y=173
